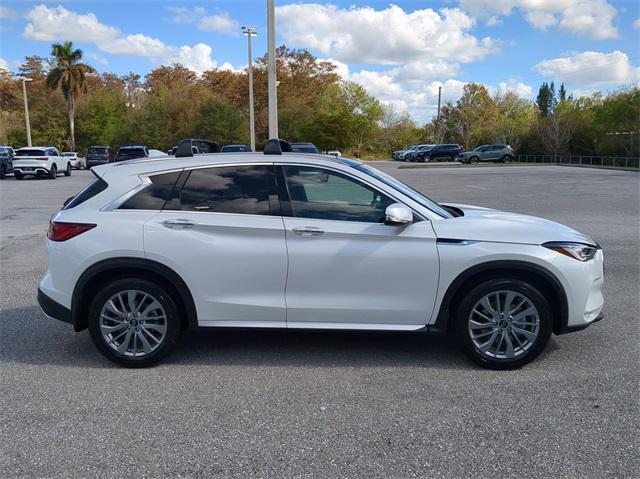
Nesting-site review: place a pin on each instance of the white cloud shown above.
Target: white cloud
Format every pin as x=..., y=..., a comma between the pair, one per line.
x=59, y=24
x=3, y=64
x=636, y=24
x=219, y=22
x=389, y=36
x=100, y=59
x=494, y=21
x=591, y=68
x=516, y=86
x=588, y=17
x=7, y=13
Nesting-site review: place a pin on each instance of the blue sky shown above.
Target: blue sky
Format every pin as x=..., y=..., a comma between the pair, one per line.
x=401, y=51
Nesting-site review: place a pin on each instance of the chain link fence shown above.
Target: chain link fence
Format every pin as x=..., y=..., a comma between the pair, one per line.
x=604, y=161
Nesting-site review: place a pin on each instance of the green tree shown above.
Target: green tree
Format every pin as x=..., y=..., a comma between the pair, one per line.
x=68, y=74
x=221, y=122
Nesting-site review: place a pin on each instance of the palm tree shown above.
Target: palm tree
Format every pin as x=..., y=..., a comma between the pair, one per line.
x=68, y=74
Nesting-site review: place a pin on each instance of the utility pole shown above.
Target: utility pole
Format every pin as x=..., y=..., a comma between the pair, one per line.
x=271, y=69
x=24, y=81
x=249, y=32
x=439, y=98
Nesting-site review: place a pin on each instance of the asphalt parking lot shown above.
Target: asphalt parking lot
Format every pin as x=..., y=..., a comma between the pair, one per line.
x=292, y=404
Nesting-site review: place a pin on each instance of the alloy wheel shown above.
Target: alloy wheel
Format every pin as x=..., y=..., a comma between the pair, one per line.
x=503, y=325
x=133, y=323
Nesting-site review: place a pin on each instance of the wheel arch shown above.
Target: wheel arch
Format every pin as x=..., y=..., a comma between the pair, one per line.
x=539, y=276
x=106, y=270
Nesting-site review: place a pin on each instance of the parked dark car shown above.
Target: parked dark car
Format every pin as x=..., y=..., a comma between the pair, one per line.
x=132, y=152
x=446, y=152
x=6, y=161
x=417, y=152
x=304, y=148
x=99, y=155
x=235, y=149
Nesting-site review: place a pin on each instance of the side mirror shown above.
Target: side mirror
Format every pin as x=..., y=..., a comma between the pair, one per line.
x=398, y=214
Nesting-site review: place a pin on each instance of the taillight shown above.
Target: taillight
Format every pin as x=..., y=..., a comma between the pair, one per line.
x=64, y=231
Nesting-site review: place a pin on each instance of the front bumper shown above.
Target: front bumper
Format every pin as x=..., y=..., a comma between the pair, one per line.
x=53, y=309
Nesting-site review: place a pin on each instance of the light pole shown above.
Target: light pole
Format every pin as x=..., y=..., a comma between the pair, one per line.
x=249, y=32
x=24, y=81
x=271, y=69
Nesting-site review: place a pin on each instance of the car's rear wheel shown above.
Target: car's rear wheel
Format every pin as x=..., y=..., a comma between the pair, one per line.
x=67, y=171
x=18, y=175
x=506, y=159
x=53, y=172
x=504, y=323
x=3, y=172
x=134, y=322
x=474, y=159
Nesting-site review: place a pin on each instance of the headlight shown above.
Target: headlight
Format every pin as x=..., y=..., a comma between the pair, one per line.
x=581, y=252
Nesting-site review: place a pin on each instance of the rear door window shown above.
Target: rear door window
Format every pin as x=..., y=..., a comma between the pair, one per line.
x=245, y=189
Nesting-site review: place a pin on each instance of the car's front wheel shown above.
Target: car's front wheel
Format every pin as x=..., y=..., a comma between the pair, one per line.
x=504, y=323
x=134, y=322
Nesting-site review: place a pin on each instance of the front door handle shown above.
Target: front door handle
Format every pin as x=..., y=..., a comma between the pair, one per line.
x=307, y=231
x=179, y=223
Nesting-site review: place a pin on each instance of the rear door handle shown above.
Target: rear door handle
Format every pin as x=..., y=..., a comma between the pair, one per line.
x=179, y=223
x=307, y=231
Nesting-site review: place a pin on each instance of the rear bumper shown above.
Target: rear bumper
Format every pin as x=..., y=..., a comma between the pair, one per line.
x=53, y=309
x=31, y=170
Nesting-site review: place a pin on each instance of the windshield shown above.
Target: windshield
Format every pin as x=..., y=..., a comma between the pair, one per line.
x=131, y=152
x=404, y=188
x=304, y=148
x=235, y=148
x=30, y=153
x=98, y=151
x=479, y=148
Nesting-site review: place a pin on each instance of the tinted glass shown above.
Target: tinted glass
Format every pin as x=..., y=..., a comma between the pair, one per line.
x=304, y=148
x=323, y=194
x=90, y=191
x=130, y=153
x=235, y=148
x=98, y=151
x=30, y=153
x=231, y=189
x=153, y=197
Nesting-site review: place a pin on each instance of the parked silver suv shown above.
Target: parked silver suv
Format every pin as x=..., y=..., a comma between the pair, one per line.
x=502, y=153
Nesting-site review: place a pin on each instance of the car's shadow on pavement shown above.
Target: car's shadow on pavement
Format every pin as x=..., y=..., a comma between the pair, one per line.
x=27, y=336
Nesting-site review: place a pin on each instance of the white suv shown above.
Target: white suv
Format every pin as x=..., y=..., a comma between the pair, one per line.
x=308, y=242
x=40, y=161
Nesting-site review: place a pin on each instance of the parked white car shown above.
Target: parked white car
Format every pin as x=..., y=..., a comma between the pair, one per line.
x=307, y=241
x=40, y=161
x=77, y=161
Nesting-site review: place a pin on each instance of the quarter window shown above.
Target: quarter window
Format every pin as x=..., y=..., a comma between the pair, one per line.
x=232, y=189
x=154, y=196
x=323, y=194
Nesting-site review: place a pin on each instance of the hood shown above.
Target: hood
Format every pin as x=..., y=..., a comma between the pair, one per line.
x=483, y=224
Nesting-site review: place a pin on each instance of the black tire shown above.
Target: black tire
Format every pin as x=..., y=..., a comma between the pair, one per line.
x=463, y=315
x=18, y=175
x=3, y=172
x=506, y=159
x=145, y=286
x=67, y=171
x=53, y=172
x=473, y=160
x=426, y=159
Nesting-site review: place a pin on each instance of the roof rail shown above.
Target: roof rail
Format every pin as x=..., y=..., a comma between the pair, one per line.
x=276, y=146
x=185, y=147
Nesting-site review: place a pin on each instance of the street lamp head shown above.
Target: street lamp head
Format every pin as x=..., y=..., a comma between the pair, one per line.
x=249, y=30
